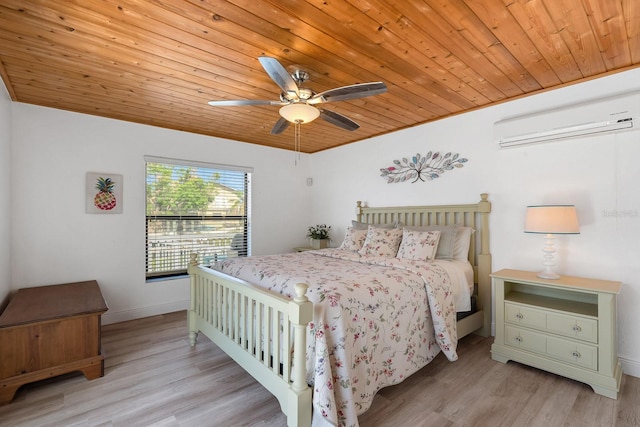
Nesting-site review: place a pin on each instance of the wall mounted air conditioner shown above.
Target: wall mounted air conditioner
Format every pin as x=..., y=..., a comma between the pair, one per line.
x=612, y=114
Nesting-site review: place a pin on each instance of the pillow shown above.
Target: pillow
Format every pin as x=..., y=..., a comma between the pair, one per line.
x=364, y=226
x=381, y=242
x=462, y=243
x=353, y=239
x=418, y=245
x=448, y=234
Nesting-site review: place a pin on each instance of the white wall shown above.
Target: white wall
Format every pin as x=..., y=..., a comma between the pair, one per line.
x=55, y=241
x=600, y=175
x=5, y=195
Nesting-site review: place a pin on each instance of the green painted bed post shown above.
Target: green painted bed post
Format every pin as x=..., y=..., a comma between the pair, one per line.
x=359, y=211
x=484, y=265
x=191, y=320
x=299, y=405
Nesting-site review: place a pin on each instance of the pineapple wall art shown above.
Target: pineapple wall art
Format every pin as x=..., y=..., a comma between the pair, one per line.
x=104, y=193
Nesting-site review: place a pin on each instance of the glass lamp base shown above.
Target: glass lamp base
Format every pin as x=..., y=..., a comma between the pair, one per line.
x=548, y=274
x=548, y=262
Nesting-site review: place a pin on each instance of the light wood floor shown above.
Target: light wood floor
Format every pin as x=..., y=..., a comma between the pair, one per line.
x=154, y=378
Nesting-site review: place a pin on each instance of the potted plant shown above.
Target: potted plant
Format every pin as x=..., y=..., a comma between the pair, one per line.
x=319, y=235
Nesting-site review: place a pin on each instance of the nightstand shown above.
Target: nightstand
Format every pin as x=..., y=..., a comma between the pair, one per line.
x=565, y=326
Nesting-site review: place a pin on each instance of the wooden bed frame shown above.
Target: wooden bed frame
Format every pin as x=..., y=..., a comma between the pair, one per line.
x=239, y=316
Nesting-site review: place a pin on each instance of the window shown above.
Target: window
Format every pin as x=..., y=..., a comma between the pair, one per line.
x=194, y=207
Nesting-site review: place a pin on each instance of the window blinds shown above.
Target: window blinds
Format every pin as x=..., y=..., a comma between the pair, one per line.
x=194, y=207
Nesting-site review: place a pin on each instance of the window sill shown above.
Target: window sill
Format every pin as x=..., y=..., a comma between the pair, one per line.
x=163, y=279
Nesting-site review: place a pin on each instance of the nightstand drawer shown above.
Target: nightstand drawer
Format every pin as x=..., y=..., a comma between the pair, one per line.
x=573, y=326
x=582, y=355
x=525, y=340
x=562, y=324
x=525, y=316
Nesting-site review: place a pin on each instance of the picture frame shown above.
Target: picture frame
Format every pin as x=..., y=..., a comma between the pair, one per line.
x=104, y=193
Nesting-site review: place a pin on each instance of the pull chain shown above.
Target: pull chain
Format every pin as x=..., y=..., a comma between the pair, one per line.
x=296, y=146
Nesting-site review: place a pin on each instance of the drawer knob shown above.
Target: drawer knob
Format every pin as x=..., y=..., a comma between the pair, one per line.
x=518, y=338
x=576, y=328
x=576, y=354
x=520, y=316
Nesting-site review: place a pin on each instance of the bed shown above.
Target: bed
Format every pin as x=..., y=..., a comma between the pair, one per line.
x=323, y=343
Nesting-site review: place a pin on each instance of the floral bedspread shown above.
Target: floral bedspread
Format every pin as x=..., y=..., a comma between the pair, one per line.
x=376, y=320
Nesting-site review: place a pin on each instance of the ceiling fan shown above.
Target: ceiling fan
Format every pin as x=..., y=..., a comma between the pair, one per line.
x=298, y=103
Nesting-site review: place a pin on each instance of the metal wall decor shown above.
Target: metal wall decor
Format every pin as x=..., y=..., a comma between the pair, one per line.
x=422, y=168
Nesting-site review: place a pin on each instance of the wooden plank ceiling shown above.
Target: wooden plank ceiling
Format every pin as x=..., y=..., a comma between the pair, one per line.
x=159, y=62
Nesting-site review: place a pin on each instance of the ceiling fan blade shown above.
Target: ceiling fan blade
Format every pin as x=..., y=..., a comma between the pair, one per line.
x=345, y=93
x=339, y=120
x=281, y=125
x=241, y=102
x=281, y=76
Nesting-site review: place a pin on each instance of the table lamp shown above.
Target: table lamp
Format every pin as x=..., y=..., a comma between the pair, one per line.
x=551, y=220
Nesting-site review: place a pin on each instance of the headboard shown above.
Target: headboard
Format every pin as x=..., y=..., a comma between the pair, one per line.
x=475, y=215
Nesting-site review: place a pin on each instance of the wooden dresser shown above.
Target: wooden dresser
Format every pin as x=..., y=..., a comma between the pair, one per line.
x=50, y=330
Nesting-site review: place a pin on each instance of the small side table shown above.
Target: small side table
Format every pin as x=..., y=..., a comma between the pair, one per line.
x=48, y=331
x=565, y=326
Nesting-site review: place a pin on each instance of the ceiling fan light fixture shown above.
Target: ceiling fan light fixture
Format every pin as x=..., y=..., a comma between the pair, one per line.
x=299, y=113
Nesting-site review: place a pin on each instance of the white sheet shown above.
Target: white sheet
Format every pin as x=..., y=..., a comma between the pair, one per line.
x=461, y=276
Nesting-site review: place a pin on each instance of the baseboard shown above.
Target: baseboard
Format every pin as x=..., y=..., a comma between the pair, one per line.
x=137, y=313
x=630, y=367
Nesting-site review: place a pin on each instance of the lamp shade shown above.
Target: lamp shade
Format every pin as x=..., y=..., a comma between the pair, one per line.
x=299, y=113
x=552, y=219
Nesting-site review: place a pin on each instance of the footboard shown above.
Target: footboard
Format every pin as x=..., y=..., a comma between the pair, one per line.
x=255, y=327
